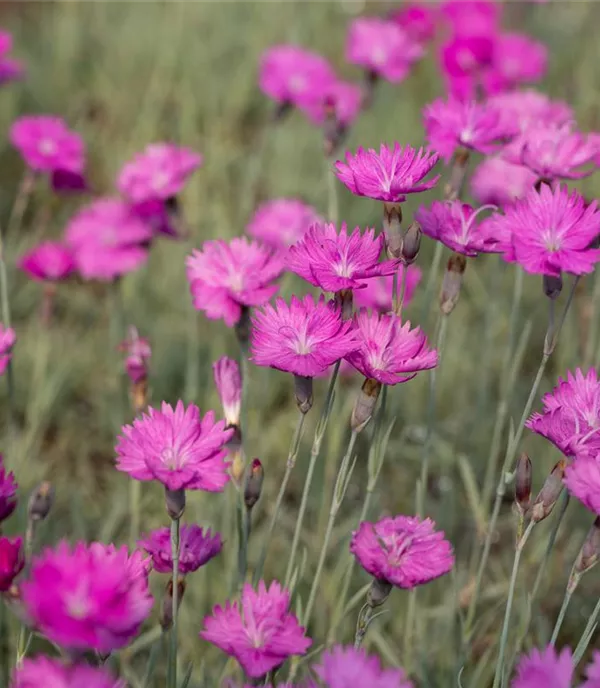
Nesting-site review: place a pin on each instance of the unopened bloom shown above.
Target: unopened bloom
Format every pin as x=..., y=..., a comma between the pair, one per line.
x=177, y=447
x=49, y=261
x=12, y=561
x=545, y=668
x=87, y=597
x=196, y=548
x=303, y=338
x=7, y=341
x=138, y=353
x=343, y=667
x=404, y=551
x=228, y=380
x=582, y=479
x=516, y=59
x=258, y=631
x=225, y=276
x=496, y=181
x=10, y=69
x=282, y=222
x=388, y=175
x=8, y=492
x=418, y=19
x=46, y=671
x=378, y=292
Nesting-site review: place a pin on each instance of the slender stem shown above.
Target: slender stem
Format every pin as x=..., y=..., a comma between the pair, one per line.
x=586, y=636
x=5, y=310
x=563, y=610
x=172, y=682
x=4, y=645
x=135, y=494
x=431, y=279
x=365, y=616
x=245, y=529
x=21, y=201
x=332, y=198
x=399, y=290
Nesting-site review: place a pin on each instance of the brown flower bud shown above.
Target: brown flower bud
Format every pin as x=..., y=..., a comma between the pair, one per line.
x=590, y=550
x=175, y=503
x=452, y=283
x=549, y=494
x=40, y=502
x=344, y=300
x=365, y=404
x=523, y=484
x=166, y=607
x=253, y=484
x=411, y=243
x=303, y=389
x=378, y=592
x=552, y=286
x=392, y=228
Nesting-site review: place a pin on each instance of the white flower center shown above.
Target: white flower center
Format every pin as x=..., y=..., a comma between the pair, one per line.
x=379, y=55
x=47, y=147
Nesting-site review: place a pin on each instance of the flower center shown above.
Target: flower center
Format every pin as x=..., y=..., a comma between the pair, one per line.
x=170, y=458
x=78, y=605
x=47, y=147
x=159, y=181
x=297, y=83
x=379, y=55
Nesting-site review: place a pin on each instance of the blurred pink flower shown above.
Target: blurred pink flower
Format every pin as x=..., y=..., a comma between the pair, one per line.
x=226, y=275
x=530, y=107
x=52, y=673
x=12, y=561
x=8, y=492
x=196, y=548
x=582, y=479
x=228, y=380
x=463, y=59
x=516, y=59
x=344, y=97
x=177, y=447
x=418, y=19
x=378, y=296
x=544, y=668
x=138, y=353
x=498, y=182
x=472, y=17
x=258, y=631
x=303, y=338
x=7, y=341
x=592, y=672
x=344, y=667
x=388, y=175
x=10, y=69
x=49, y=261
x=404, y=551
x=160, y=215
x=382, y=47
x=87, y=597
x=282, y=222
x=159, y=172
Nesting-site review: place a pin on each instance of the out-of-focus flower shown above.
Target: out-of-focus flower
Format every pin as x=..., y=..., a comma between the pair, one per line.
x=343, y=667
x=516, y=59
x=472, y=17
x=496, y=181
x=258, y=631
x=196, y=548
x=463, y=59
x=12, y=561
x=49, y=261
x=8, y=492
x=87, y=597
x=177, y=447
x=404, y=551
x=418, y=19
x=390, y=352
x=382, y=48
x=7, y=341
x=592, y=672
x=228, y=380
x=10, y=69
x=545, y=668
x=343, y=97
x=582, y=479
x=138, y=353
x=378, y=292
x=388, y=175
x=282, y=222
x=226, y=275
x=531, y=107
x=303, y=338
x=159, y=172
x=160, y=215
x=52, y=673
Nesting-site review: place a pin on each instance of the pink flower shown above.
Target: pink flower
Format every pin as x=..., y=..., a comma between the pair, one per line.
x=160, y=215
x=496, y=181
x=89, y=597
x=463, y=59
x=530, y=107
x=582, y=479
x=551, y=232
x=544, y=668
x=7, y=341
x=592, y=672
x=8, y=492
x=258, y=631
x=516, y=59
x=12, y=561
x=417, y=19
x=107, y=239
x=390, y=352
x=388, y=175
x=10, y=69
x=282, y=222
x=382, y=47
x=378, y=296
x=304, y=338
x=345, y=667
x=138, y=355
x=227, y=275
x=196, y=548
x=176, y=447
x=47, y=144
x=454, y=224
x=344, y=97
x=228, y=380
x=335, y=261
x=50, y=260
x=159, y=172
x=52, y=673
x=472, y=17
x=403, y=551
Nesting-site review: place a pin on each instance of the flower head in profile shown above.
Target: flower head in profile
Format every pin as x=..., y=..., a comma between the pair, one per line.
x=44, y=671
x=87, y=597
x=227, y=275
x=544, y=668
x=282, y=222
x=303, y=338
x=8, y=492
x=49, y=261
x=228, y=380
x=7, y=341
x=138, y=353
x=12, y=561
x=495, y=181
x=516, y=59
x=343, y=667
x=378, y=294
x=177, y=447
x=404, y=551
x=418, y=19
x=258, y=631
x=10, y=68
x=388, y=175
x=196, y=548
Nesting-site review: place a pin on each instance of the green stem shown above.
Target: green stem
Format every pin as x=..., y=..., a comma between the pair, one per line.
x=364, y=619
x=332, y=198
x=245, y=529
x=135, y=494
x=563, y=609
x=4, y=645
x=172, y=675
x=5, y=309
x=587, y=634
x=431, y=280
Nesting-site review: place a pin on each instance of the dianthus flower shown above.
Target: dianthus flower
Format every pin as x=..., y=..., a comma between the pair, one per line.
x=592, y=672
x=463, y=59
x=196, y=548
x=282, y=222
x=49, y=261
x=12, y=561
x=382, y=47
x=225, y=276
x=530, y=107
x=388, y=175
x=378, y=292
x=107, y=239
x=496, y=181
x=160, y=215
x=7, y=341
x=303, y=338
x=228, y=380
x=345, y=667
x=472, y=17
x=258, y=631
x=582, y=480
x=344, y=99
x=87, y=597
x=390, y=352
x=404, y=551
x=8, y=492
x=177, y=447
x=10, y=69
x=545, y=668
x=44, y=671
x=516, y=59
x=418, y=20
x=159, y=172
x=138, y=355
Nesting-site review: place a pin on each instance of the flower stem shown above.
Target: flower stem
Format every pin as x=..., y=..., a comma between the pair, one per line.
x=4, y=645
x=365, y=617
x=563, y=611
x=172, y=675
x=135, y=494
x=431, y=279
x=5, y=310
x=332, y=198
x=245, y=518
x=587, y=634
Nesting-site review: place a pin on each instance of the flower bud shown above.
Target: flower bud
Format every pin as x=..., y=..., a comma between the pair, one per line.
x=378, y=592
x=166, y=608
x=175, y=503
x=552, y=286
x=523, y=484
x=549, y=494
x=365, y=404
x=590, y=550
x=392, y=228
x=242, y=328
x=452, y=283
x=40, y=502
x=303, y=389
x=411, y=243
x=457, y=174
x=12, y=561
x=254, y=482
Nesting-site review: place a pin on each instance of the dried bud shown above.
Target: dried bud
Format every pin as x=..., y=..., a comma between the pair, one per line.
x=139, y=395
x=343, y=299
x=523, y=484
x=392, y=228
x=254, y=482
x=40, y=502
x=552, y=286
x=378, y=592
x=166, y=609
x=365, y=404
x=303, y=389
x=175, y=502
x=452, y=283
x=590, y=550
x=411, y=243
x=549, y=494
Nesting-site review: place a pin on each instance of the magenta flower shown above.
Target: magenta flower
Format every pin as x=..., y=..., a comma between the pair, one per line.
x=177, y=447
x=107, y=239
x=551, y=232
x=196, y=548
x=89, y=597
x=582, y=480
x=516, y=59
x=304, y=338
x=343, y=667
x=531, y=107
x=344, y=97
x=496, y=181
x=49, y=261
x=544, y=668
x=228, y=380
x=258, y=631
x=378, y=295
x=159, y=172
x=382, y=48
x=12, y=561
x=8, y=492
x=44, y=671
x=388, y=175
x=138, y=353
x=592, y=672
x=282, y=222
x=472, y=17
x=226, y=276
x=418, y=19
x=7, y=341
x=390, y=351
x=10, y=69
x=463, y=59
x=403, y=551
